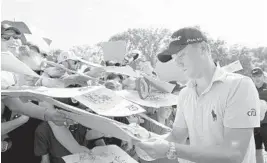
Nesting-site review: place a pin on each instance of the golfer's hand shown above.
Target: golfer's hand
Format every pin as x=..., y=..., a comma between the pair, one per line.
x=156, y=148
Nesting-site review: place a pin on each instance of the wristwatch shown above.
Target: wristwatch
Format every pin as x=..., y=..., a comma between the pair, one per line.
x=172, y=153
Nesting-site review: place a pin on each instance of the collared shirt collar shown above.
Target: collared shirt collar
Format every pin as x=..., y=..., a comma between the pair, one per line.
x=218, y=76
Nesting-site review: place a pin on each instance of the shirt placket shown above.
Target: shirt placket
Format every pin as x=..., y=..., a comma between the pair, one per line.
x=199, y=119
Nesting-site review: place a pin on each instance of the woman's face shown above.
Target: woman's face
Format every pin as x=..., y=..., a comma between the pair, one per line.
x=10, y=41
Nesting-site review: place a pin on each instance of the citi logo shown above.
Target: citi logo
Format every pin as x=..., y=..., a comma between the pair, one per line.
x=252, y=112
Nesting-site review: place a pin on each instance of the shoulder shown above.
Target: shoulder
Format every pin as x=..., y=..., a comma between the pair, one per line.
x=236, y=81
x=234, y=78
x=184, y=97
x=7, y=79
x=239, y=87
x=43, y=129
x=184, y=93
x=6, y=74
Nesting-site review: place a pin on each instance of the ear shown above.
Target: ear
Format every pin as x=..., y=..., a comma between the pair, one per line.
x=204, y=49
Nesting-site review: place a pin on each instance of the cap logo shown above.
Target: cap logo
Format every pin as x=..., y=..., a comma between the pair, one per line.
x=194, y=40
x=177, y=38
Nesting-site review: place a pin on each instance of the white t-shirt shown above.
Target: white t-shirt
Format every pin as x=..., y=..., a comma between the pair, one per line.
x=230, y=101
x=7, y=79
x=11, y=79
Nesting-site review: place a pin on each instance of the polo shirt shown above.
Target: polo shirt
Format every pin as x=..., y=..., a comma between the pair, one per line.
x=231, y=100
x=7, y=79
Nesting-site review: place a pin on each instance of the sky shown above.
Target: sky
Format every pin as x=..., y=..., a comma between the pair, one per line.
x=78, y=22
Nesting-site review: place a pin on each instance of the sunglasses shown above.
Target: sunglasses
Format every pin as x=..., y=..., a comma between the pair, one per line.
x=7, y=37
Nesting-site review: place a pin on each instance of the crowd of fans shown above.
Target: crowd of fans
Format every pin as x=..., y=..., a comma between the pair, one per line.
x=44, y=134
x=35, y=131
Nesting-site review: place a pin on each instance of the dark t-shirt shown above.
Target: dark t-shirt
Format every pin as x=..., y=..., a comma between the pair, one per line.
x=46, y=143
x=22, y=149
x=263, y=96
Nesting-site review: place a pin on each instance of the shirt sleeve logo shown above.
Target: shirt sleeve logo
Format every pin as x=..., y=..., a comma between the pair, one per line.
x=252, y=112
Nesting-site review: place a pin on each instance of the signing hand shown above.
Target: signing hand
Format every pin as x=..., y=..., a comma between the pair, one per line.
x=155, y=148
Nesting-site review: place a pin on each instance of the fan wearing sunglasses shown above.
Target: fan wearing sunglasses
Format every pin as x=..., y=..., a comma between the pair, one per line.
x=10, y=38
x=11, y=42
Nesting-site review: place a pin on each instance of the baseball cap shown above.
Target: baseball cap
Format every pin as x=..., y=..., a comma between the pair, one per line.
x=66, y=55
x=179, y=40
x=256, y=71
x=5, y=27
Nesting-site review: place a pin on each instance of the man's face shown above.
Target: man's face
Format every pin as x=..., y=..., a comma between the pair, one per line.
x=258, y=80
x=189, y=60
x=10, y=41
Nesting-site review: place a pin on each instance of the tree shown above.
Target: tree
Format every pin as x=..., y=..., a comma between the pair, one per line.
x=248, y=57
x=259, y=57
x=219, y=51
x=152, y=41
x=90, y=53
x=148, y=41
x=53, y=54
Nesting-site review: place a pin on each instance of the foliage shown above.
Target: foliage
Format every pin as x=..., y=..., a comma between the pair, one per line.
x=148, y=41
x=151, y=41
